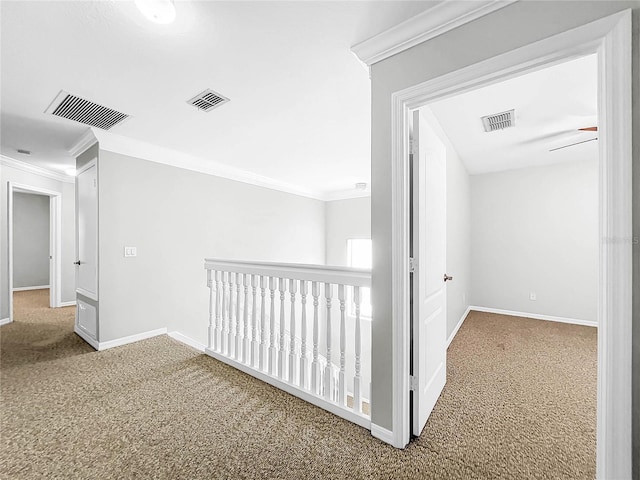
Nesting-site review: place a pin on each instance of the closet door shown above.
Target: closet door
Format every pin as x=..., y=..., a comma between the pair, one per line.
x=87, y=231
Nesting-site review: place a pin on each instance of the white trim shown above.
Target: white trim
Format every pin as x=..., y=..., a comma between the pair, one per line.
x=154, y=153
x=346, y=195
x=84, y=143
x=55, y=240
x=458, y=325
x=382, y=433
x=5, y=321
x=86, y=337
x=610, y=38
x=24, y=289
x=332, y=407
x=111, y=142
x=72, y=303
x=536, y=316
x=429, y=24
x=187, y=341
x=614, y=432
x=118, y=342
x=35, y=170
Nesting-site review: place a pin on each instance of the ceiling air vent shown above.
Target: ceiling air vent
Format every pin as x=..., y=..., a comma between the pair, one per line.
x=80, y=110
x=207, y=100
x=499, y=121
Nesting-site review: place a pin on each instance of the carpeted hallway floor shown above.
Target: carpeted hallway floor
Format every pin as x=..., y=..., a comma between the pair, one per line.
x=519, y=403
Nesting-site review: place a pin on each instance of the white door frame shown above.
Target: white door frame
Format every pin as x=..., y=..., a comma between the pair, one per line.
x=55, y=240
x=610, y=38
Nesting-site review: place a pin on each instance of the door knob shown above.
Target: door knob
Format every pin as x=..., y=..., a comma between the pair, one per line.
x=77, y=263
x=447, y=277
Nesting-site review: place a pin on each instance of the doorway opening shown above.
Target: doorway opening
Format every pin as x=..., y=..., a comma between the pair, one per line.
x=610, y=39
x=505, y=227
x=35, y=244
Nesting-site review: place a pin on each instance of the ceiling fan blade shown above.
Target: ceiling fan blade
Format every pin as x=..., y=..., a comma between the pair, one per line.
x=572, y=144
x=589, y=129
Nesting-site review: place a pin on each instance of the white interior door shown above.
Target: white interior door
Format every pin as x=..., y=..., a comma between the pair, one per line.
x=429, y=312
x=87, y=239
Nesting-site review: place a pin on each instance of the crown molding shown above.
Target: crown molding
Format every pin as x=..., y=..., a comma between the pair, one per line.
x=86, y=140
x=445, y=16
x=154, y=153
x=346, y=195
x=33, y=169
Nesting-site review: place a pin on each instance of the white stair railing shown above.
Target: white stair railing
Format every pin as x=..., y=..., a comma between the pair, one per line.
x=258, y=323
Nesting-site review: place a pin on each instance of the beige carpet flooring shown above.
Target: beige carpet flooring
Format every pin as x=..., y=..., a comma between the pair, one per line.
x=519, y=403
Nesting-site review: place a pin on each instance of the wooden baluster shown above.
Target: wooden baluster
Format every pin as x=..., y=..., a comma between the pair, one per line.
x=217, y=336
x=245, y=318
x=315, y=365
x=230, y=337
x=211, y=308
x=328, y=371
x=342, y=391
x=254, y=323
x=263, y=286
x=292, y=332
x=357, y=394
x=272, y=326
x=223, y=311
x=238, y=355
x=304, y=364
x=281, y=357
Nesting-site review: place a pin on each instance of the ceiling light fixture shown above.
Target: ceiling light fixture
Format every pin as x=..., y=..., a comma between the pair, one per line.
x=158, y=11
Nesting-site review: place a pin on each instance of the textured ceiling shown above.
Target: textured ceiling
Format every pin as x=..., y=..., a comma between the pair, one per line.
x=300, y=101
x=550, y=106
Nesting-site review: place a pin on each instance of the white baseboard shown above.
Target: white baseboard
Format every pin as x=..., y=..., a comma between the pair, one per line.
x=382, y=434
x=4, y=321
x=187, y=341
x=536, y=316
x=24, y=289
x=67, y=304
x=82, y=334
x=131, y=339
x=458, y=325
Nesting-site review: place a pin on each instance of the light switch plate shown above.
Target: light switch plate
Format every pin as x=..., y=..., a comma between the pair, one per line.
x=130, y=252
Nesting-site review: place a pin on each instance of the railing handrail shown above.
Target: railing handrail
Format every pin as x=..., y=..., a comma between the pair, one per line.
x=359, y=277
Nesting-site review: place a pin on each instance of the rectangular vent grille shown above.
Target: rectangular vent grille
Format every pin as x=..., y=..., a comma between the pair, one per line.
x=83, y=111
x=499, y=121
x=207, y=100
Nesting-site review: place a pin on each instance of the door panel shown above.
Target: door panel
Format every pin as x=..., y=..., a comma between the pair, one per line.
x=87, y=236
x=429, y=312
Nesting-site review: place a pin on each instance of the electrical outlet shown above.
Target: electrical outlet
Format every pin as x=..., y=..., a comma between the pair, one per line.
x=533, y=297
x=130, y=252
x=464, y=298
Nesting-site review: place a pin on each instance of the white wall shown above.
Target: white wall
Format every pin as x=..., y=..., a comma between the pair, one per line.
x=345, y=219
x=30, y=240
x=535, y=230
x=176, y=218
x=16, y=175
x=458, y=263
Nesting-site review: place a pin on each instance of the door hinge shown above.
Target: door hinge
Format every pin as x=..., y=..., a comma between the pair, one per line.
x=412, y=265
x=413, y=383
